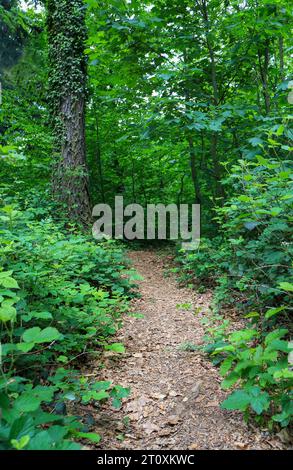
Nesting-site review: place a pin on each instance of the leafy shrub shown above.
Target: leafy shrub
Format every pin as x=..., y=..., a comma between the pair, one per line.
x=253, y=253
x=61, y=297
x=250, y=264
x=257, y=361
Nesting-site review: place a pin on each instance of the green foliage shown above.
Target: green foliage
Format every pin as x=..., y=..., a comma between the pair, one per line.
x=252, y=258
x=256, y=362
x=249, y=265
x=186, y=101
x=61, y=297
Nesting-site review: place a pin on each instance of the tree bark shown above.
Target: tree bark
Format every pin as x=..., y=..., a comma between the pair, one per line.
x=281, y=56
x=220, y=193
x=264, y=70
x=67, y=90
x=193, y=170
x=192, y=154
x=99, y=160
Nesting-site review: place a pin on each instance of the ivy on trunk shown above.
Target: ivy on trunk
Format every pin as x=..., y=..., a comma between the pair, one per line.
x=67, y=92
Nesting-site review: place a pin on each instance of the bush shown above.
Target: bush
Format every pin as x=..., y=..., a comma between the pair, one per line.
x=253, y=254
x=256, y=360
x=62, y=296
x=250, y=264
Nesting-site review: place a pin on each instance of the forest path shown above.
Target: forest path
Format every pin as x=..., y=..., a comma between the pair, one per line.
x=175, y=394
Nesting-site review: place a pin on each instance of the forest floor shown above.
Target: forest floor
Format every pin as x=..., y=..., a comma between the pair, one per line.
x=175, y=394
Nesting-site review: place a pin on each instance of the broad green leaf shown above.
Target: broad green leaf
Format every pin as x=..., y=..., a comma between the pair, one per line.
x=36, y=335
x=287, y=286
x=27, y=402
x=238, y=400
x=25, y=347
x=7, y=314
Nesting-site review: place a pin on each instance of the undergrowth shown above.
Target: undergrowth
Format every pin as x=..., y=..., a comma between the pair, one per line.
x=62, y=296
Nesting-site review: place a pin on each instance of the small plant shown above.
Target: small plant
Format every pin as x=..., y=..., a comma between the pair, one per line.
x=255, y=361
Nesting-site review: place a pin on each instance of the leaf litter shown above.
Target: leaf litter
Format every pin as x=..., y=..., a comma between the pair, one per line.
x=175, y=393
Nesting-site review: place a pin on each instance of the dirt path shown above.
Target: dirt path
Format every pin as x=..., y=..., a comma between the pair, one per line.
x=175, y=394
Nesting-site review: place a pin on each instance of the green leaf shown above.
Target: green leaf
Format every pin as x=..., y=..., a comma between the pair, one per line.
x=100, y=395
x=27, y=402
x=287, y=286
x=22, y=426
x=278, y=345
x=226, y=365
x=90, y=436
x=273, y=311
x=7, y=314
x=36, y=335
x=260, y=401
x=230, y=380
x=40, y=315
x=25, y=347
x=21, y=443
x=275, y=334
x=9, y=282
x=238, y=400
x=283, y=374
x=116, y=347
x=242, y=336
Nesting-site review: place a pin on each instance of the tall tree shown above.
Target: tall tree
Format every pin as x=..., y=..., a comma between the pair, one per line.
x=67, y=90
x=12, y=34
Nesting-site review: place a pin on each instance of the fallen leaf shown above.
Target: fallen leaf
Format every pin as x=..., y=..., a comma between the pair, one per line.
x=173, y=420
x=150, y=427
x=193, y=447
x=241, y=445
x=158, y=396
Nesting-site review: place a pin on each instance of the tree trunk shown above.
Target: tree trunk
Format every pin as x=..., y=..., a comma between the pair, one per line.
x=264, y=70
x=67, y=85
x=99, y=160
x=193, y=170
x=281, y=55
x=214, y=82
x=192, y=154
